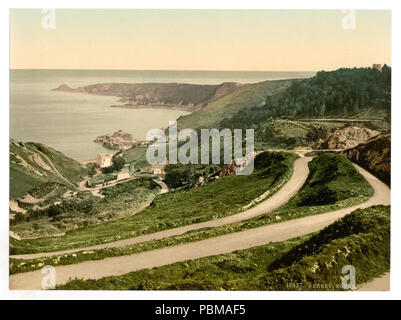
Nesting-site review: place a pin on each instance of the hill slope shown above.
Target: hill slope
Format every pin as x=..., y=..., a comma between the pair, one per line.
x=32, y=164
x=374, y=155
x=246, y=96
x=342, y=93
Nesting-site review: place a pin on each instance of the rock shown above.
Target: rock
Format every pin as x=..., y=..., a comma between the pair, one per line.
x=200, y=182
x=374, y=156
x=119, y=140
x=346, y=138
x=236, y=164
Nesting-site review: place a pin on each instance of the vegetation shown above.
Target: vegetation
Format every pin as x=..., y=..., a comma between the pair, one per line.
x=214, y=200
x=287, y=212
x=243, y=98
x=178, y=175
x=102, y=179
x=83, y=209
x=289, y=134
x=118, y=163
x=46, y=188
x=69, y=168
x=314, y=262
x=344, y=93
x=340, y=93
x=30, y=167
x=332, y=178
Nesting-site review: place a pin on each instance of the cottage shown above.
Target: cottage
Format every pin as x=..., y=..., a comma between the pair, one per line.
x=104, y=160
x=157, y=168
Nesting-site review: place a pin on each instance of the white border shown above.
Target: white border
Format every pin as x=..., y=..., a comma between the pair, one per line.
x=205, y=4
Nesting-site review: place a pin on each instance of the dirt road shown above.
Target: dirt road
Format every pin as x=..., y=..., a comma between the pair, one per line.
x=378, y=284
x=209, y=247
x=296, y=181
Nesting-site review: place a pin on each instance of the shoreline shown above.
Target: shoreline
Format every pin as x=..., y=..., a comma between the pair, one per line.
x=134, y=106
x=131, y=106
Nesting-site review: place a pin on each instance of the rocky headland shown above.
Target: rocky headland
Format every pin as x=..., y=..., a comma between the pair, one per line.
x=119, y=140
x=187, y=97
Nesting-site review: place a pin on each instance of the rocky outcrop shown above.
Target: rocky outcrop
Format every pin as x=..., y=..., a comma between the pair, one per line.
x=237, y=164
x=119, y=140
x=374, y=156
x=346, y=138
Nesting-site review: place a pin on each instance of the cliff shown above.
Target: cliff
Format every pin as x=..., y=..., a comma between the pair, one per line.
x=374, y=156
x=346, y=138
x=190, y=97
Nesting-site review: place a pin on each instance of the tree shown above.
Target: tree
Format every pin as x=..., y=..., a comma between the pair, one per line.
x=118, y=162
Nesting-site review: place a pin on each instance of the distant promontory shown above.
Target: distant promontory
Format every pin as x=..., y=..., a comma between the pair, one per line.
x=187, y=97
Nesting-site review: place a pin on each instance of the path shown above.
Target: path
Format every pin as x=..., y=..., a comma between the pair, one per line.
x=381, y=283
x=296, y=181
x=219, y=245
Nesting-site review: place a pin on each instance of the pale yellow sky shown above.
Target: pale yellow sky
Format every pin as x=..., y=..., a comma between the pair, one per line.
x=265, y=40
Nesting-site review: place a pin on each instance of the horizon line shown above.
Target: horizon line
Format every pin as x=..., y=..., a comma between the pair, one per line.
x=211, y=70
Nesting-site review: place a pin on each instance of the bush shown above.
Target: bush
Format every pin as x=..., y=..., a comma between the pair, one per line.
x=361, y=239
x=332, y=178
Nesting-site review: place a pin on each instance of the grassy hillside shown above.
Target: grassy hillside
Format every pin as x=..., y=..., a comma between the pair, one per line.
x=332, y=178
x=240, y=100
x=358, y=191
x=30, y=167
x=361, y=239
x=340, y=94
x=225, y=196
x=83, y=209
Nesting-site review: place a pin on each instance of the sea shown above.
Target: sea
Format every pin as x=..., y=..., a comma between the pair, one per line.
x=69, y=122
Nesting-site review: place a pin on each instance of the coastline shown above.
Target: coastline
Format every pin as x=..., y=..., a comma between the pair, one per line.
x=149, y=106
x=132, y=106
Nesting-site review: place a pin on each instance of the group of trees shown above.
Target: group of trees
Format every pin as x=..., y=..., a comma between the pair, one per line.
x=178, y=175
x=118, y=163
x=343, y=92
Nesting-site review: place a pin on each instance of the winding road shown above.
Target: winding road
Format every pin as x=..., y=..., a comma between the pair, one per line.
x=219, y=245
x=296, y=181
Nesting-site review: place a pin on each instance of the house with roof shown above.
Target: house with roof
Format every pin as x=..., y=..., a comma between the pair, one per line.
x=104, y=160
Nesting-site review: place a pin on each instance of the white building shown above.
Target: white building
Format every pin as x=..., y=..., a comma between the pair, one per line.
x=104, y=160
x=157, y=168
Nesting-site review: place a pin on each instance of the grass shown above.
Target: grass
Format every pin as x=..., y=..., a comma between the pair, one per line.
x=26, y=173
x=360, y=239
x=134, y=154
x=351, y=180
x=246, y=96
x=69, y=168
x=84, y=209
x=21, y=182
x=218, y=199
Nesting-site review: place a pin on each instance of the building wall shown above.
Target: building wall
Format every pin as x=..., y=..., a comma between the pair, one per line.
x=104, y=161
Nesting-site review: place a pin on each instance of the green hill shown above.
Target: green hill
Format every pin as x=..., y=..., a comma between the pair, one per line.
x=240, y=100
x=344, y=93
x=312, y=262
x=34, y=164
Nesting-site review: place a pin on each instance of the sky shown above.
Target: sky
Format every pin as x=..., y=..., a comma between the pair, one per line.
x=255, y=40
